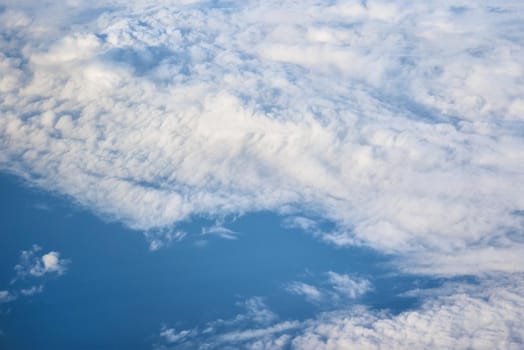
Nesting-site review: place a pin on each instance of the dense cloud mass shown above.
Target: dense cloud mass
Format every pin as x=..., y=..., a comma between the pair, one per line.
x=402, y=123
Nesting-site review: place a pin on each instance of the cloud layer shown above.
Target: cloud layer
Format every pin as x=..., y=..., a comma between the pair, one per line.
x=402, y=123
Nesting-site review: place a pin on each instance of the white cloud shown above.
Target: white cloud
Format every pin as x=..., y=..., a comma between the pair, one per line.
x=309, y=291
x=257, y=311
x=49, y=263
x=224, y=331
x=399, y=122
x=33, y=265
x=337, y=289
x=259, y=333
x=457, y=315
x=485, y=318
x=347, y=286
x=172, y=336
x=220, y=231
x=162, y=238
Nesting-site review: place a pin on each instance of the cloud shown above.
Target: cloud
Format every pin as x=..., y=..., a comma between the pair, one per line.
x=336, y=289
x=172, y=336
x=6, y=296
x=309, y=291
x=348, y=286
x=399, y=122
x=257, y=311
x=163, y=238
x=462, y=315
x=481, y=319
x=256, y=323
x=32, y=265
x=32, y=290
x=220, y=231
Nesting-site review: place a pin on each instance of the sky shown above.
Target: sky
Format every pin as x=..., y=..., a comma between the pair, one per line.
x=188, y=174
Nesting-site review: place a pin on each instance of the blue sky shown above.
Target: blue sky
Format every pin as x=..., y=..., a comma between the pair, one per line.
x=261, y=174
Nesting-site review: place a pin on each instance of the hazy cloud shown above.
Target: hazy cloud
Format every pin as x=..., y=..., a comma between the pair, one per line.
x=6, y=296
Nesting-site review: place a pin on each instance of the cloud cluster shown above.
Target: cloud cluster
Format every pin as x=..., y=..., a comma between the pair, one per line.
x=33, y=265
x=338, y=289
x=455, y=316
x=480, y=319
x=400, y=122
x=31, y=269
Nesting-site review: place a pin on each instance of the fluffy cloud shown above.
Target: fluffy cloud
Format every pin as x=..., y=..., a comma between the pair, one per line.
x=33, y=265
x=399, y=122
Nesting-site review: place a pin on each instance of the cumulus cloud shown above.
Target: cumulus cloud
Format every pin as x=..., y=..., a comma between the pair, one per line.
x=33, y=265
x=399, y=122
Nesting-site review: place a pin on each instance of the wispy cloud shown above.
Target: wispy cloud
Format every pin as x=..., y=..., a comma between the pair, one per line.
x=161, y=238
x=31, y=264
x=32, y=290
x=309, y=291
x=458, y=315
x=6, y=296
x=220, y=231
x=347, y=286
x=334, y=289
x=32, y=272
